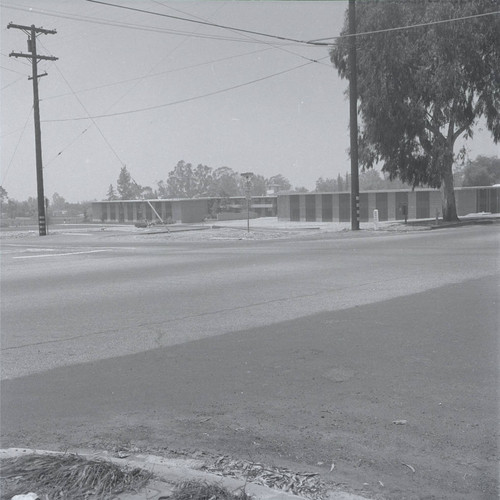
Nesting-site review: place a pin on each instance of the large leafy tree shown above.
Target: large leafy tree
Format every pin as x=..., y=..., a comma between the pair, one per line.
x=422, y=88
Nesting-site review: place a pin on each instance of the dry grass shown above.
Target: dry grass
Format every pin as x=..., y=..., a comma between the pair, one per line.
x=67, y=477
x=199, y=490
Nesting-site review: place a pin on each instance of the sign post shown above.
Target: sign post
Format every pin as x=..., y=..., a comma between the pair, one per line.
x=248, y=190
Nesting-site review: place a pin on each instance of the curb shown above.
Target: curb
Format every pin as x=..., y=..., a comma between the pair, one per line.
x=473, y=222
x=170, y=471
x=179, y=230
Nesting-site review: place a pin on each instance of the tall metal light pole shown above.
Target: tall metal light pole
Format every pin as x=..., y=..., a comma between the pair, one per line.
x=248, y=190
x=32, y=33
x=353, y=117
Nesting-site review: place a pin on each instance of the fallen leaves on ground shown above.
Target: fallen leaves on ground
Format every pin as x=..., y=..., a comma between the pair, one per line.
x=307, y=484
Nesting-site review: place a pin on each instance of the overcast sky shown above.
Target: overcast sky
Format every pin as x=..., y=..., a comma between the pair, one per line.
x=136, y=67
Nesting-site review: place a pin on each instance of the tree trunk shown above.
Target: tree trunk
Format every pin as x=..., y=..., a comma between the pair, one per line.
x=448, y=192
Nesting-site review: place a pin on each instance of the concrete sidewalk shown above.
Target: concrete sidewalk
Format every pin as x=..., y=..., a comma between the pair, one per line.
x=170, y=471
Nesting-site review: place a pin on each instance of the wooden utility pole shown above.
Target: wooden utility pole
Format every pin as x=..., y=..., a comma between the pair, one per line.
x=353, y=117
x=32, y=33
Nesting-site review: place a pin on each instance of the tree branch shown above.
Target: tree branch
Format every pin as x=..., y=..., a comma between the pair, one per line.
x=459, y=132
x=432, y=128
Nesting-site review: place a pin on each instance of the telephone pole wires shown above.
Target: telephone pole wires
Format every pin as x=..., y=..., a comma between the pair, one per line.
x=32, y=33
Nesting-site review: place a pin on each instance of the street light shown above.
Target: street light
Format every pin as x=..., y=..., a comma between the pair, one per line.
x=248, y=188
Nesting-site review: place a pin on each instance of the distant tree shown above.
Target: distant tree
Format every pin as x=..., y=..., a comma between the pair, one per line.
x=421, y=89
x=127, y=189
x=340, y=183
x=147, y=193
x=186, y=182
x=370, y=180
x=58, y=202
x=279, y=182
x=394, y=183
x=483, y=171
x=111, y=193
x=4, y=198
x=326, y=185
x=3, y=195
x=181, y=182
x=28, y=208
x=300, y=189
x=202, y=178
x=225, y=182
x=347, y=182
x=12, y=208
x=162, y=190
x=259, y=185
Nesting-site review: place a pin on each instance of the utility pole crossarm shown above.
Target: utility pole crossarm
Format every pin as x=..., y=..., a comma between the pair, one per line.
x=28, y=28
x=29, y=56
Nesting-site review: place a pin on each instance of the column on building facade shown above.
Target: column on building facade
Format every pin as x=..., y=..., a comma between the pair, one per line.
x=412, y=205
x=336, y=207
x=391, y=206
x=302, y=207
x=319, y=207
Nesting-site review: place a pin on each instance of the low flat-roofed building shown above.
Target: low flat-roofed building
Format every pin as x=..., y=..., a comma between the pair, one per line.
x=391, y=205
x=185, y=210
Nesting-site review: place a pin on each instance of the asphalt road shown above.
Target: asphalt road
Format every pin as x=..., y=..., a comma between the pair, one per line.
x=302, y=352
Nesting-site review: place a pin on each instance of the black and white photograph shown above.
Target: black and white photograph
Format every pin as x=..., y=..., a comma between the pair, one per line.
x=250, y=250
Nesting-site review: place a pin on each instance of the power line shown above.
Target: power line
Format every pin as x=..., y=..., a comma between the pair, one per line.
x=110, y=107
x=17, y=145
x=188, y=99
x=140, y=27
x=152, y=75
x=13, y=71
x=11, y=132
x=66, y=147
x=89, y=117
x=205, y=23
x=399, y=28
x=314, y=42
x=12, y=83
x=279, y=47
x=270, y=46
x=182, y=42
